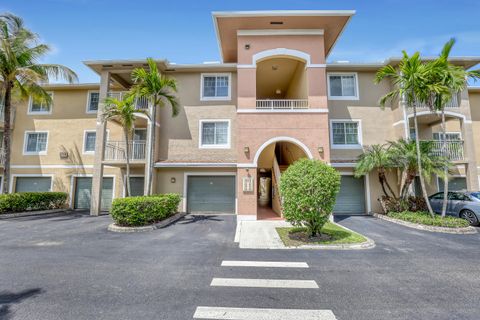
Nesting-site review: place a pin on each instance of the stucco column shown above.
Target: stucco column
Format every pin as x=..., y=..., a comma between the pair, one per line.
x=148, y=151
x=101, y=128
x=247, y=200
x=469, y=153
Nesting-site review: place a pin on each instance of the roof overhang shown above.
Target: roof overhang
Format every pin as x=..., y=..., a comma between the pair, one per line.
x=227, y=24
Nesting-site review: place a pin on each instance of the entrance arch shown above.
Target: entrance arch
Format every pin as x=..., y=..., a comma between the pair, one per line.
x=297, y=142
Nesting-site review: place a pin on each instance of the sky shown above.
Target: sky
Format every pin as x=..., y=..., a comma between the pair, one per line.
x=182, y=30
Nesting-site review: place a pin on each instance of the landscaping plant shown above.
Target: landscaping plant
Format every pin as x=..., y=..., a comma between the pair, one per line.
x=30, y=201
x=309, y=189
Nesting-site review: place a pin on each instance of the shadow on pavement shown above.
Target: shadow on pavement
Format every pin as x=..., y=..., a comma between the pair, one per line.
x=189, y=219
x=8, y=298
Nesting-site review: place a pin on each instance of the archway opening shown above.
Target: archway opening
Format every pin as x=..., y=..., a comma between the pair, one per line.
x=274, y=159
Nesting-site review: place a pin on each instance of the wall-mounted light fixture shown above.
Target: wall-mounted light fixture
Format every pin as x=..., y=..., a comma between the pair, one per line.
x=247, y=46
x=173, y=180
x=320, y=150
x=278, y=91
x=246, y=149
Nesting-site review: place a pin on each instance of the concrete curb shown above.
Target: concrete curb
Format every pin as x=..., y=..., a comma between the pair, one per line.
x=369, y=244
x=31, y=213
x=114, y=228
x=466, y=230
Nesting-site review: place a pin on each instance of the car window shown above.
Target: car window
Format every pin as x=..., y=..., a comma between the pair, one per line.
x=457, y=196
x=437, y=196
x=475, y=195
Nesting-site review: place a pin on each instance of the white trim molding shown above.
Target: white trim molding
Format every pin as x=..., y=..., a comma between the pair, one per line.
x=87, y=109
x=351, y=98
x=262, y=55
x=281, y=139
x=206, y=173
x=85, y=132
x=318, y=110
x=281, y=32
x=359, y=145
x=227, y=98
x=214, y=146
x=40, y=113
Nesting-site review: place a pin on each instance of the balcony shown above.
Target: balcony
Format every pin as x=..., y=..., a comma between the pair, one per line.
x=116, y=151
x=140, y=103
x=454, y=150
x=452, y=104
x=2, y=116
x=281, y=104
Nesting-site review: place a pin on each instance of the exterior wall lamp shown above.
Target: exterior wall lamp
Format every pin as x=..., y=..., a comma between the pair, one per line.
x=320, y=150
x=246, y=150
x=173, y=180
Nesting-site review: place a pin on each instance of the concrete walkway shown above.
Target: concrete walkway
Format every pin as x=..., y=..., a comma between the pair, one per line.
x=259, y=234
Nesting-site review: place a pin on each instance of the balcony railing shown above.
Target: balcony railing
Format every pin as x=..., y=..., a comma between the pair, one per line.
x=282, y=104
x=453, y=149
x=453, y=103
x=2, y=157
x=117, y=151
x=140, y=103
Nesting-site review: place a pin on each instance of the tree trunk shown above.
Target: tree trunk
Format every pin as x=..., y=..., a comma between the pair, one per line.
x=381, y=179
x=127, y=148
x=152, y=145
x=445, y=179
x=384, y=182
x=419, y=162
x=6, y=136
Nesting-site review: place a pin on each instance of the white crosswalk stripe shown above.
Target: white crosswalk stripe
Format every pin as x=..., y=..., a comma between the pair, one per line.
x=261, y=314
x=263, y=283
x=264, y=264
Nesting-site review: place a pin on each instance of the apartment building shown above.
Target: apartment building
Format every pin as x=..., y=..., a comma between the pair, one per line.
x=272, y=100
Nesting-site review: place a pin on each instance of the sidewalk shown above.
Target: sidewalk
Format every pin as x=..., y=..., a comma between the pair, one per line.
x=259, y=234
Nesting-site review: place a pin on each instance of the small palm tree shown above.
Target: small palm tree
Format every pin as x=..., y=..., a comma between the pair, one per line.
x=380, y=158
x=455, y=78
x=125, y=113
x=21, y=73
x=159, y=90
x=404, y=156
x=411, y=82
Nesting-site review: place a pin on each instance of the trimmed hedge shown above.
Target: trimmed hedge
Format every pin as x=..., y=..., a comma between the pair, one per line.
x=424, y=218
x=145, y=210
x=31, y=201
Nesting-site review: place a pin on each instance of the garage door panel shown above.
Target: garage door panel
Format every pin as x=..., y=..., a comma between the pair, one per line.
x=33, y=184
x=211, y=194
x=83, y=192
x=351, y=197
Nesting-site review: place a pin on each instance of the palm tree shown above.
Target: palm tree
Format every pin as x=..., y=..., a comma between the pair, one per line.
x=376, y=157
x=455, y=78
x=20, y=72
x=124, y=112
x=404, y=156
x=159, y=90
x=411, y=84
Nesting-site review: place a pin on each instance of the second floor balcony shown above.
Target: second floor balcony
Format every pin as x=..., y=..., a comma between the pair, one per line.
x=281, y=104
x=116, y=151
x=140, y=103
x=453, y=150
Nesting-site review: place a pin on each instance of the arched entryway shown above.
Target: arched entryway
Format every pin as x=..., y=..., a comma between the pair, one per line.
x=272, y=159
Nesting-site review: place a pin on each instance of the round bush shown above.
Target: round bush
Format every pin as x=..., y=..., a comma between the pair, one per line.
x=31, y=201
x=308, y=189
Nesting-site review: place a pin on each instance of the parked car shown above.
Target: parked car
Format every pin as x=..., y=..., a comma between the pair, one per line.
x=463, y=204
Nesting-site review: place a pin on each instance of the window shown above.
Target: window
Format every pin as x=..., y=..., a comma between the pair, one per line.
x=36, y=142
x=215, y=134
x=215, y=86
x=413, y=135
x=343, y=86
x=39, y=106
x=93, y=99
x=450, y=136
x=89, y=141
x=345, y=134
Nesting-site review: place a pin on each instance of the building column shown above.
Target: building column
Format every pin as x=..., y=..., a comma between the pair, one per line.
x=148, y=150
x=101, y=128
x=469, y=154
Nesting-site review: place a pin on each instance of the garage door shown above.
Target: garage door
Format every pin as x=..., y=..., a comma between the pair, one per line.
x=454, y=184
x=83, y=192
x=211, y=194
x=136, y=186
x=33, y=184
x=351, y=198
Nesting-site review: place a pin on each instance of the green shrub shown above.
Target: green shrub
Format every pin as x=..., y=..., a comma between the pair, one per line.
x=30, y=201
x=422, y=217
x=308, y=189
x=412, y=203
x=141, y=211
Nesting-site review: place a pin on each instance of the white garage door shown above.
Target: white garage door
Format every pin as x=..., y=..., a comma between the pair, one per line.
x=351, y=198
x=33, y=184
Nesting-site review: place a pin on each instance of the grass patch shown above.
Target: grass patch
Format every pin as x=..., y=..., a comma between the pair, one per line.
x=330, y=234
x=424, y=218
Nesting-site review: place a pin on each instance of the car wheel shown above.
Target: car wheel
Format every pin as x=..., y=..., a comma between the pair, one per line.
x=469, y=216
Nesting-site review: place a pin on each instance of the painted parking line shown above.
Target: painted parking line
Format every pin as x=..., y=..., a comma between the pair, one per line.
x=264, y=264
x=263, y=283
x=216, y=313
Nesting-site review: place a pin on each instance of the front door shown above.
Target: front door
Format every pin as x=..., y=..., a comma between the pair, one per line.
x=139, y=138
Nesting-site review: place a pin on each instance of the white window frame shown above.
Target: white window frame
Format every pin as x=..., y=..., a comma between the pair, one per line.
x=213, y=146
x=355, y=74
x=85, y=141
x=88, y=101
x=347, y=146
x=227, y=98
x=32, y=153
x=30, y=104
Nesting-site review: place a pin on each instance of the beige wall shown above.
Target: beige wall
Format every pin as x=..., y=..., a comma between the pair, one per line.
x=475, y=112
